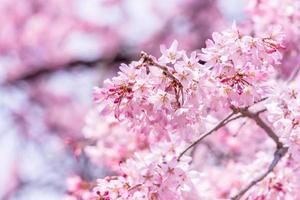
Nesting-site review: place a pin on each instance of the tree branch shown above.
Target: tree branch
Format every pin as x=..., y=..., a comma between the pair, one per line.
x=245, y=112
x=255, y=117
x=279, y=153
x=39, y=71
x=222, y=123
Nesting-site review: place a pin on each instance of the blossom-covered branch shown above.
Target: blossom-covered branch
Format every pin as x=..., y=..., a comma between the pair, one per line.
x=167, y=101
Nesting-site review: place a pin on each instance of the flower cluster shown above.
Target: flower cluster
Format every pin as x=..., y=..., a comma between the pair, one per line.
x=284, y=13
x=242, y=65
x=152, y=175
x=236, y=70
x=284, y=114
x=157, y=97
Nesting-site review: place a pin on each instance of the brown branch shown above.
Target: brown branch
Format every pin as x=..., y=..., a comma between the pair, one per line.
x=255, y=117
x=222, y=123
x=279, y=153
x=244, y=112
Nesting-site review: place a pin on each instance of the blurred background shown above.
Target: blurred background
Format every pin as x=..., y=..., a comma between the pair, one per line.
x=53, y=52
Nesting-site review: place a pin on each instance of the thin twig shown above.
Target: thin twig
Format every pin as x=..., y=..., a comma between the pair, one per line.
x=293, y=75
x=240, y=128
x=261, y=100
x=195, y=147
x=217, y=127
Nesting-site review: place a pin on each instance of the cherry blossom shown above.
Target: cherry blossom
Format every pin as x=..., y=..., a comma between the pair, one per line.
x=267, y=15
x=151, y=175
x=171, y=101
x=197, y=109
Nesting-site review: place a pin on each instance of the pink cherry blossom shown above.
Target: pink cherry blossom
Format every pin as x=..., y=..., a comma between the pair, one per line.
x=171, y=101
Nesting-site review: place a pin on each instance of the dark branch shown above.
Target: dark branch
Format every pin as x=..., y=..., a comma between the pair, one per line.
x=40, y=71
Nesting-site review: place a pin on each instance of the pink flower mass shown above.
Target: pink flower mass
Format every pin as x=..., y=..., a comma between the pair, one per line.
x=202, y=107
